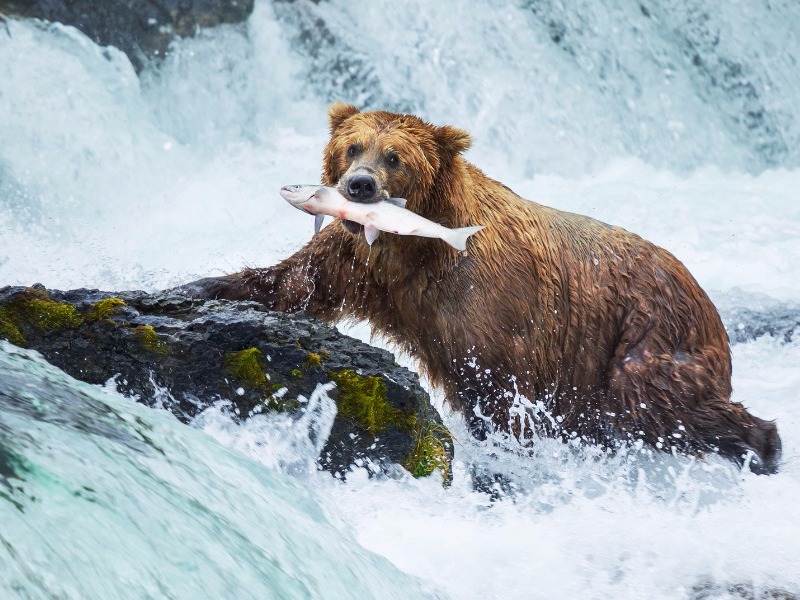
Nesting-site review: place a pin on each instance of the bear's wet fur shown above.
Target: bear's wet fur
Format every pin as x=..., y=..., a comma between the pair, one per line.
x=606, y=331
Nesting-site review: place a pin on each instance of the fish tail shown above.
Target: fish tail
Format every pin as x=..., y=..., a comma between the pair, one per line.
x=457, y=238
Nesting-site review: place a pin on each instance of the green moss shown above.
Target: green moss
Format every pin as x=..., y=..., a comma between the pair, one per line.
x=149, y=340
x=104, y=308
x=296, y=373
x=280, y=404
x=312, y=360
x=430, y=453
x=362, y=399
x=47, y=315
x=246, y=367
x=10, y=326
x=35, y=309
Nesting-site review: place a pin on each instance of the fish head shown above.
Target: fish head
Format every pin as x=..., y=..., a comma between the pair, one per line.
x=299, y=195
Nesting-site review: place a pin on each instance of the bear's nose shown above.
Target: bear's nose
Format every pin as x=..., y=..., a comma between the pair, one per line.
x=362, y=187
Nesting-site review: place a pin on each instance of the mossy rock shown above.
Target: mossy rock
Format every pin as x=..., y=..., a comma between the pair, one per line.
x=47, y=315
x=432, y=452
x=246, y=367
x=104, y=308
x=36, y=310
x=10, y=327
x=185, y=355
x=148, y=339
x=313, y=359
x=363, y=400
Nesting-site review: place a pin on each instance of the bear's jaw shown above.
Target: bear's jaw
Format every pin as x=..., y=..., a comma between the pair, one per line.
x=353, y=227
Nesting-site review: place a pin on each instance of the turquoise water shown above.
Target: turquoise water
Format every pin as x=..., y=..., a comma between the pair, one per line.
x=103, y=498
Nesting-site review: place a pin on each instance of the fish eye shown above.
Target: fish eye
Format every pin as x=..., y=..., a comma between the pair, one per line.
x=353, y=150
x=392, y=159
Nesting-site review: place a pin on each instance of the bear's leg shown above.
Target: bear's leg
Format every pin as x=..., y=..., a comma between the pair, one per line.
x=485, y=411
x=470, y=401
x=322, y=278
x=758, y=436
x=682, y=399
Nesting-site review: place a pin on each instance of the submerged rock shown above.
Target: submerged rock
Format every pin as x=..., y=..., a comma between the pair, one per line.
x=185, y=355
x=710, y=590
x=141, y=29
x=745, y=324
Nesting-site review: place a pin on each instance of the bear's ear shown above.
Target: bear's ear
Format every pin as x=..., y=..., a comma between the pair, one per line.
x=338, y=113
x=452, y=140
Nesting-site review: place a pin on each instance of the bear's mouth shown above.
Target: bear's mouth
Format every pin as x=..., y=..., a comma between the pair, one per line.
x=352, y=226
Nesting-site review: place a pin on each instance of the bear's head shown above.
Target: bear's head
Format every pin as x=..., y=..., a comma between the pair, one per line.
x=372, y=156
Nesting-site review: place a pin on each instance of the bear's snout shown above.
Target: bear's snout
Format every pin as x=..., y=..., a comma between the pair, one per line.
x=362, y=188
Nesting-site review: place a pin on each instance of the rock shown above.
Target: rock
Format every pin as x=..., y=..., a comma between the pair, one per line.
x=335, y=67
x=141, y=29
x=710, y=590
x=746, y=324
x=185, y=354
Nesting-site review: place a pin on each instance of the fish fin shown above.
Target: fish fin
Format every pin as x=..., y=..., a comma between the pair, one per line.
x=457, y=238
x=371, y=232
x=401, y=202
x=318, y=219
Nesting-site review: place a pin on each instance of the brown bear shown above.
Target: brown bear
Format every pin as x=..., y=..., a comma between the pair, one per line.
x=602, y=335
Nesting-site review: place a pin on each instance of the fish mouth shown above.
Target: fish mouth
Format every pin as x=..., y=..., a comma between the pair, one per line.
x=290, y=194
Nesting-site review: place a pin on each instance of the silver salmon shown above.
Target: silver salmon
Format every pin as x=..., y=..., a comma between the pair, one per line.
x=389, y=215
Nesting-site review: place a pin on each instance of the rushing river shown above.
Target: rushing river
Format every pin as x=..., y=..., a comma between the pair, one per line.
x=678, y=120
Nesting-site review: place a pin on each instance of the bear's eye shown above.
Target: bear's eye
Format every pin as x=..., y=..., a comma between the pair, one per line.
x=392, y=159
x=353, y=150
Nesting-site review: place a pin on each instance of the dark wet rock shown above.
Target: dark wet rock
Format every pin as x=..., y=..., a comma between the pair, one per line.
x=709, y=590
x=142, y=29
x=335, y=68
x=185, y=354
x=745, y=324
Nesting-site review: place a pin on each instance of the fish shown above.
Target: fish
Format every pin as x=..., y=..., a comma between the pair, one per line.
x=390, y=215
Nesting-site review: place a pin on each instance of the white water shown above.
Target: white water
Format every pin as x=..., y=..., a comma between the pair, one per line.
x=115, y=182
